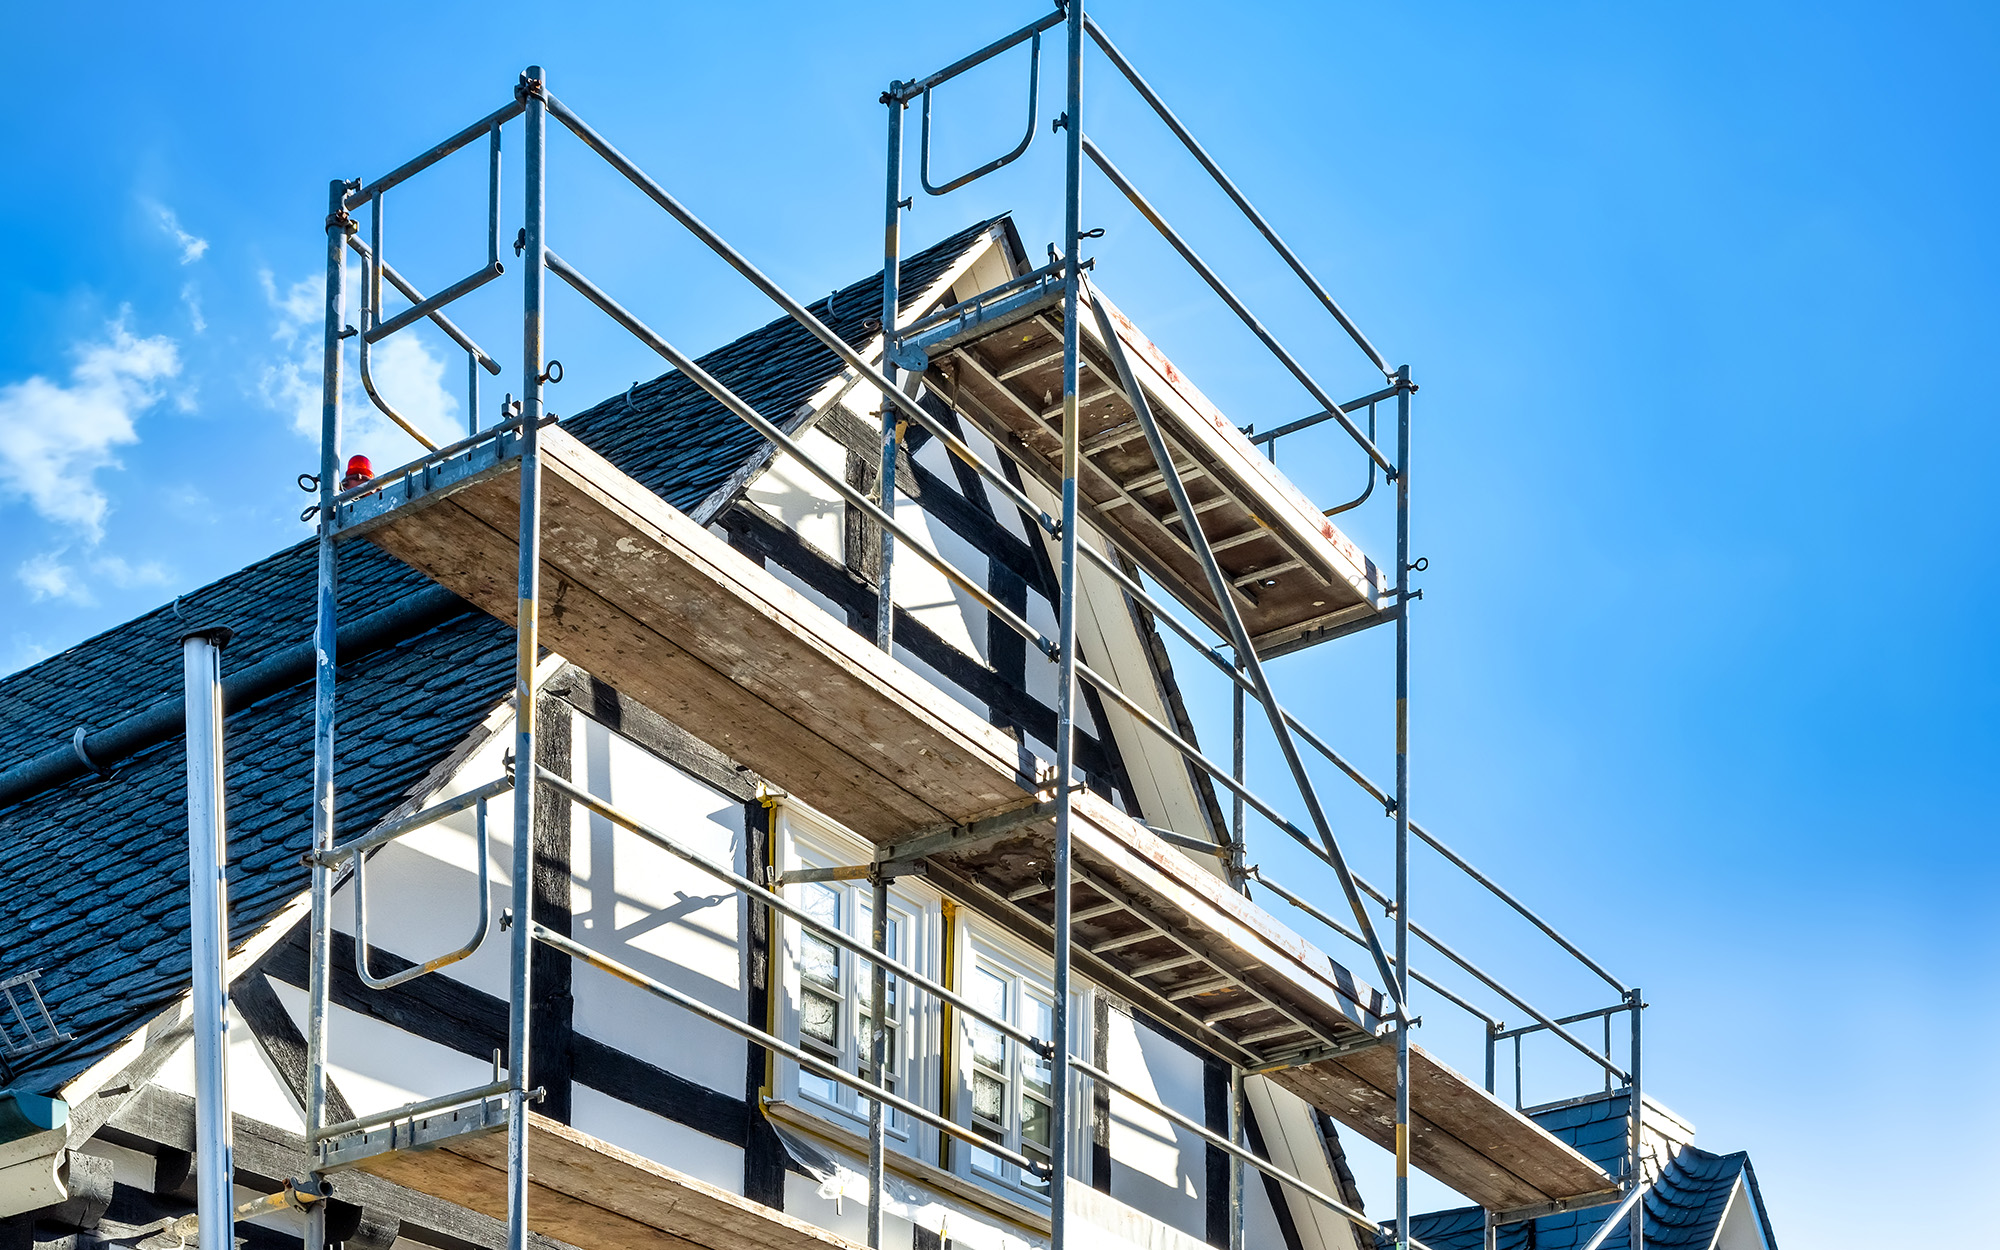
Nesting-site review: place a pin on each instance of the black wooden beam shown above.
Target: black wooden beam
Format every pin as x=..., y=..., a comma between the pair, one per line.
x=283, y=1044
x=552, y=1005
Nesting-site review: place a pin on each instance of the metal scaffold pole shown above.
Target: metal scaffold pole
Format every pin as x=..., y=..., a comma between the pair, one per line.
x=326, y=624
x=1403, y=803
x=892, y=251
x=1072, y=122
x=527, y=592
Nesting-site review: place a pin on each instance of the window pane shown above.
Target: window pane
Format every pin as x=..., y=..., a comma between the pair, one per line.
x=1035, y=1071
x=822, y=903
x=988, y=992
x=989, y=1099
x=819, y=1018
x=819, y=961
x=988, y=1047
x=1034, y=1121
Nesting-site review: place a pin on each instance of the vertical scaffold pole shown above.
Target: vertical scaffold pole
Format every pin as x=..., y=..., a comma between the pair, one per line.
x=878, y=1060
x=1236, y=1136
x=1237, y=759
x=527, y=593
x=1637, y=1113
x=1403, y=803
x=1065, y=743
x=319, y=948
x=892, y=255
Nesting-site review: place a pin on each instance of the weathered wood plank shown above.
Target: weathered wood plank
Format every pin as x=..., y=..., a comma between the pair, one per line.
x=592, y=1194
x=1460, y=1134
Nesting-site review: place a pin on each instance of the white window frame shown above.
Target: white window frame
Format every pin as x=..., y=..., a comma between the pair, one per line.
x=1029, y=974
x=807, y=840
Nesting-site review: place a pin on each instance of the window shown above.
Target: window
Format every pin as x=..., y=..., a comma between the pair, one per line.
x=1005, y=1091
x=836, y=986
x=827, y=1007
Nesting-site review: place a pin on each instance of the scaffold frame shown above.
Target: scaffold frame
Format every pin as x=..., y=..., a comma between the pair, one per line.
x=508, y=1098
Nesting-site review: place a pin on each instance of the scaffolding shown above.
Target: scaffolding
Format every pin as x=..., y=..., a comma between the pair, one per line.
x=1132, y=446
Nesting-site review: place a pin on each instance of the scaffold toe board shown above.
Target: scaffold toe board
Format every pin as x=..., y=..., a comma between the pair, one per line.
x=1459, y=1133
x=1295, y=577
x=595, y=1196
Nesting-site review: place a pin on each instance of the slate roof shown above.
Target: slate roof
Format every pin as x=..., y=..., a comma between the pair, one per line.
x=1684, y=1208
x=93, y=874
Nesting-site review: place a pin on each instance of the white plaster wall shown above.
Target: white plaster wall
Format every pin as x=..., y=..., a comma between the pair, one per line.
x=378, y=1066
x=659, y=1139
x=255, y=1088
x=656, y=913
x=1156, y=1166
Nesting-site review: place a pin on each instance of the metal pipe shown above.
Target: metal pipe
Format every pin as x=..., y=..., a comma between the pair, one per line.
x=795, y=310
x=1231, y=1148
x=1306, y=423
x=916, y=87
x=1216, y=284
x=1239, y=635
x=424, y=308
x=479, y=930
x=1225, y=666
x=805, y=1059
x=1605, y=1012
x=1637, y=1111
x=763, y=425
x=885, y=477
x=325, y=646
x=878, y=1055
x=1237, y=760
x=371, y=306
x=1628, y=1207
x=492, y=199
x=1403, y=799
x=1310, y=910
x=208, y=925
x=340, y=854
x=1222, y=180
x=1236, y=1178
x=438, y=319
x=778, y=902
x=362, y=194
x=533, y=92
x=1066, y=645
x=410, y=1110
x=1027, y=137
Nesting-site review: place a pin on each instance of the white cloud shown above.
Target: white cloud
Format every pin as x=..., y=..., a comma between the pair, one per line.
x=191, y=246
x=406, y=374
x=191, y=299
x=54, y=437
x=47, y=577
x=50, y=576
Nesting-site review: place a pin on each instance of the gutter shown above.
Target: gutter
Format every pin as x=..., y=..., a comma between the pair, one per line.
x=414, y=614
x=34, y=1153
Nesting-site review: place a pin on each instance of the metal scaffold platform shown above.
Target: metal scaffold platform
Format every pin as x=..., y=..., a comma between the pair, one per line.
x=525, y=522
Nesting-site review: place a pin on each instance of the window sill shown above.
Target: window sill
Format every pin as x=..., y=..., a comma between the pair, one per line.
x=930, y=1176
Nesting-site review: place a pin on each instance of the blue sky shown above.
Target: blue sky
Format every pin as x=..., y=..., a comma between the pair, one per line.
x=1700, y=300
